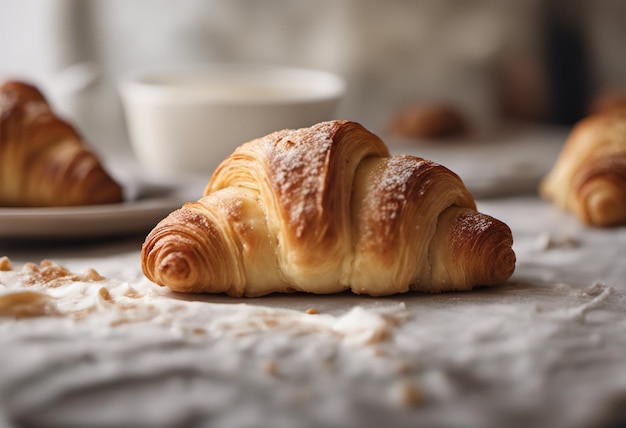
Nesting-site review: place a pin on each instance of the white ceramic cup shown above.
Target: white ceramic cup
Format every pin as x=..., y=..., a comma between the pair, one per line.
x=189, y=119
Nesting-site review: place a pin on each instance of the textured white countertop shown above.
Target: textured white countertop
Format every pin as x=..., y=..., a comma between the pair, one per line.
x=545, y=349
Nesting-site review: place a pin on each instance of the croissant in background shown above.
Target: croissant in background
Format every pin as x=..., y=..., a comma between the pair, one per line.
x=326, y=209
x=589, y=177
x=428, y=121
x=43, y=160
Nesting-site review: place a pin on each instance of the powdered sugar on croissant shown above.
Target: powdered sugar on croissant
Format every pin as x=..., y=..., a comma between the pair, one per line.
x=326, y=209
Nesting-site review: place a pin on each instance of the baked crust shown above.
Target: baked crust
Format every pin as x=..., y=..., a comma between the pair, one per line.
x=43, y=159
x=589, y=176
x=326, y=209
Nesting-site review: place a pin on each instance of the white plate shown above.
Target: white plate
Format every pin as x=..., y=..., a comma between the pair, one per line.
x=96, y=221
x=506, y=162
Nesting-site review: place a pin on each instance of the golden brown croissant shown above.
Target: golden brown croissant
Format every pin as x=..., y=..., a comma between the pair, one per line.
x=589, y=177
x=43, y=160
x=322, y=210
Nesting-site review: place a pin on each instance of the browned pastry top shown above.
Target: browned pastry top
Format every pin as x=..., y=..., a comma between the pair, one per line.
x=325, y=209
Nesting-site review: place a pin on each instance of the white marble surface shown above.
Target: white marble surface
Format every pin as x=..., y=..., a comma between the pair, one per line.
x=545, y=349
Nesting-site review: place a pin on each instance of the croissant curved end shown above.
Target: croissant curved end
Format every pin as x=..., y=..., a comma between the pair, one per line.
x=604, y=208
x=174, y=269
x=492, y=247
x=169, y=265
x=501, y=266
x=187, y=253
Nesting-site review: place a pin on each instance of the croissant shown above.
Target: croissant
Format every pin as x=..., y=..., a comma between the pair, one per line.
x=428, y=121
x=43, y=160
x=589, y=176
x=326, y=209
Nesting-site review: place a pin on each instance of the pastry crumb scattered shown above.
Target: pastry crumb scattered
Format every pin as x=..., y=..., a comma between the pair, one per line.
x=92, y=275
x=51, y=289
x=52, y=275
x=26, y=304
x=5, y=264
x=408, y=394
x=132, y=293
x=105, y=295
x=271, y=368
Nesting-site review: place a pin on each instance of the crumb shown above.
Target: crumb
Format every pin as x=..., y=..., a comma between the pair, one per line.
x=329, y=361
x=27, y=304
x=119, y=322
x=270, y=322
x=312, y=311
x=133, y=306
x=393, y=320
x=105, y=295
x=132, y=293
x=30, y=267
x=92, y=275
x=5, y=264
x=53, y=275
x=271, y=368
x=381, y=335
x=409, y=395
x=79, y=315
x=198, y=331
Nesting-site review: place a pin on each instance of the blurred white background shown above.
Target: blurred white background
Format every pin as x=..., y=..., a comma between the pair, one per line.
x=536, y=60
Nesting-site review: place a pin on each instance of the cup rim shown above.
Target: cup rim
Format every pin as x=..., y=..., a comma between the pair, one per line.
x=156, y=83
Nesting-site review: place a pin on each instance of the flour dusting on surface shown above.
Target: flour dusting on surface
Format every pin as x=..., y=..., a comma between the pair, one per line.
x=49, y=289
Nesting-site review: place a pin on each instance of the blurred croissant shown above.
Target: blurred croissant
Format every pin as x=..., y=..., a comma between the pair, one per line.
x=589, y=177
x=43, y=160
x=326, y=209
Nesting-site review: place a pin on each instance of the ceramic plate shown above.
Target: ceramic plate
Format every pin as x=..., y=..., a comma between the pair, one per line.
x=94, y=221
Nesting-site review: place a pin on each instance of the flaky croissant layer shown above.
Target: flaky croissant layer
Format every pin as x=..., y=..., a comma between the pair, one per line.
x=43, y=160
x=326, y=209
x=589, y=177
